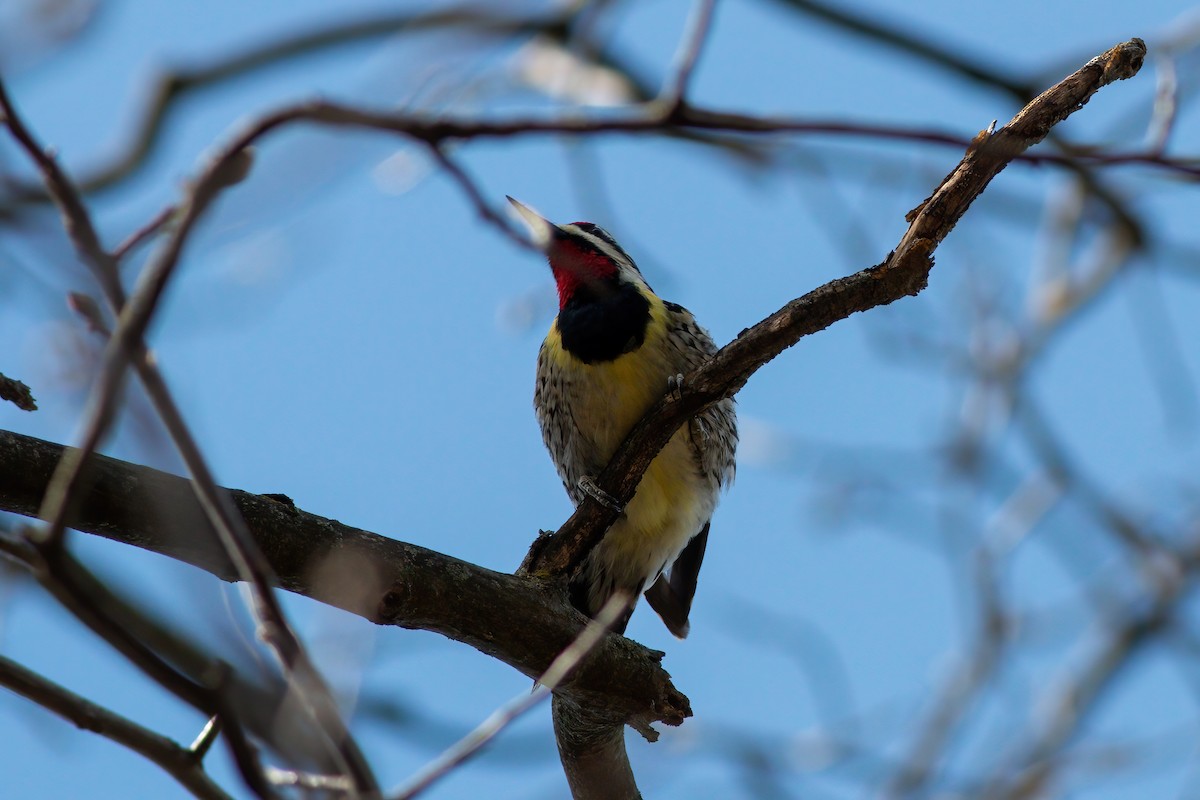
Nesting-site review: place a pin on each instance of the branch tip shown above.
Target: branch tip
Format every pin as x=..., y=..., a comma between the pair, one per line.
x=17, y=393
x=1123, y=61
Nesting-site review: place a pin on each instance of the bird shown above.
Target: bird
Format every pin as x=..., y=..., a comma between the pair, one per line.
x=614, y=349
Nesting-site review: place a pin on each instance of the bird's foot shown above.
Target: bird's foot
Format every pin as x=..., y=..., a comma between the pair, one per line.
x=675, y=386
x=588, y=486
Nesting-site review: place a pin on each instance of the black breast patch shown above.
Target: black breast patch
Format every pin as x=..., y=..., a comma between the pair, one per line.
x=600, y=327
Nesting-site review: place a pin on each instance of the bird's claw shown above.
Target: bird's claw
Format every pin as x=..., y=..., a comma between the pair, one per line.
x=675, y=386
x=589, y=487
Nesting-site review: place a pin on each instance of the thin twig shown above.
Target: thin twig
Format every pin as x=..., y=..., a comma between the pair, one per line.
x=83, y=236
x=868, y=25
x=484, y=209
x=204, y=741
x=1069, y=705
x=1023, y=510
x=674, y=92
x=1022, y=90
x=1166, y=105
x=1046, y=447
x=143, y=233
x=655, y=118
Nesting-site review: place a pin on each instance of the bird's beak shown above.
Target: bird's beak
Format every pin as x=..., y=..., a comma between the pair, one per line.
x=540, y=229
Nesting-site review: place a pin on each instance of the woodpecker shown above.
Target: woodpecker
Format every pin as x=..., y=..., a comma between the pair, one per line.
x=615, y=349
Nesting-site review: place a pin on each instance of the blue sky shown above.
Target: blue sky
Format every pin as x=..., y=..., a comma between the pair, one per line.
x=347, y=332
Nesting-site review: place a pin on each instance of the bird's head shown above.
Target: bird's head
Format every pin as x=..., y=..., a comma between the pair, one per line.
x=585, y=259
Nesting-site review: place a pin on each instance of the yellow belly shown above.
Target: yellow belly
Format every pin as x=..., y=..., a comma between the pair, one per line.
x=671, y=504
x=674, y=498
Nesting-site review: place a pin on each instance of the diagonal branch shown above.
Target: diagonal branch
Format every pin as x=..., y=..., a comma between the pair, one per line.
x=181, y=763
x=903, y=273
x=868, y=26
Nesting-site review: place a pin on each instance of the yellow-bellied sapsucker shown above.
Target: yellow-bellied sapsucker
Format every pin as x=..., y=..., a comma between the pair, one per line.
x=611, y=353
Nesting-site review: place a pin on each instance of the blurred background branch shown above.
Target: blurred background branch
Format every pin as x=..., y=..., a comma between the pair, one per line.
x=969, y=522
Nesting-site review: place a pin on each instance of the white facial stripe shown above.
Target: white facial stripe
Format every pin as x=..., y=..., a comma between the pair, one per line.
x=617, y=256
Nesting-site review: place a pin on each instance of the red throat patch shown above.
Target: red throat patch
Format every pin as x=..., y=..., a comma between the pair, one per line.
x=574, y=265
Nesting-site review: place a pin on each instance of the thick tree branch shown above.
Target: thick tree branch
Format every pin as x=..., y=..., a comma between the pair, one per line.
x=593, y=754
x=903, y=273
x=522, y=622
x=513, y=618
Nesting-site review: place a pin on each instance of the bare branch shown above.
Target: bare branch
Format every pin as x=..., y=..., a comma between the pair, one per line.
x=17, y=393
x=407, y=586
x=119, y=625
x=674, y=92
x=144, y=233
x=972, y=68
x=76, y=219
x=182, y=764
x=1166, y=104
x=654, y=118
x=910, y=43
x=168, y=87
x=504, y=716
x=393, y=583
x=208, y=735
x=482, y=207
x=126, y=346
x=903, y=273
x=1034, y=764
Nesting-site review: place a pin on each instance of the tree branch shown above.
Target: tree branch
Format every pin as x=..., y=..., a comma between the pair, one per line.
x=675, y=89
x=903, y=273
x=965, y=66
x=868, y=26
x=504, y=716
x=167, y=88
x=126, y=346
x=523, y=622
x=179, y=762
x=17, y=393
x=621, y=683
